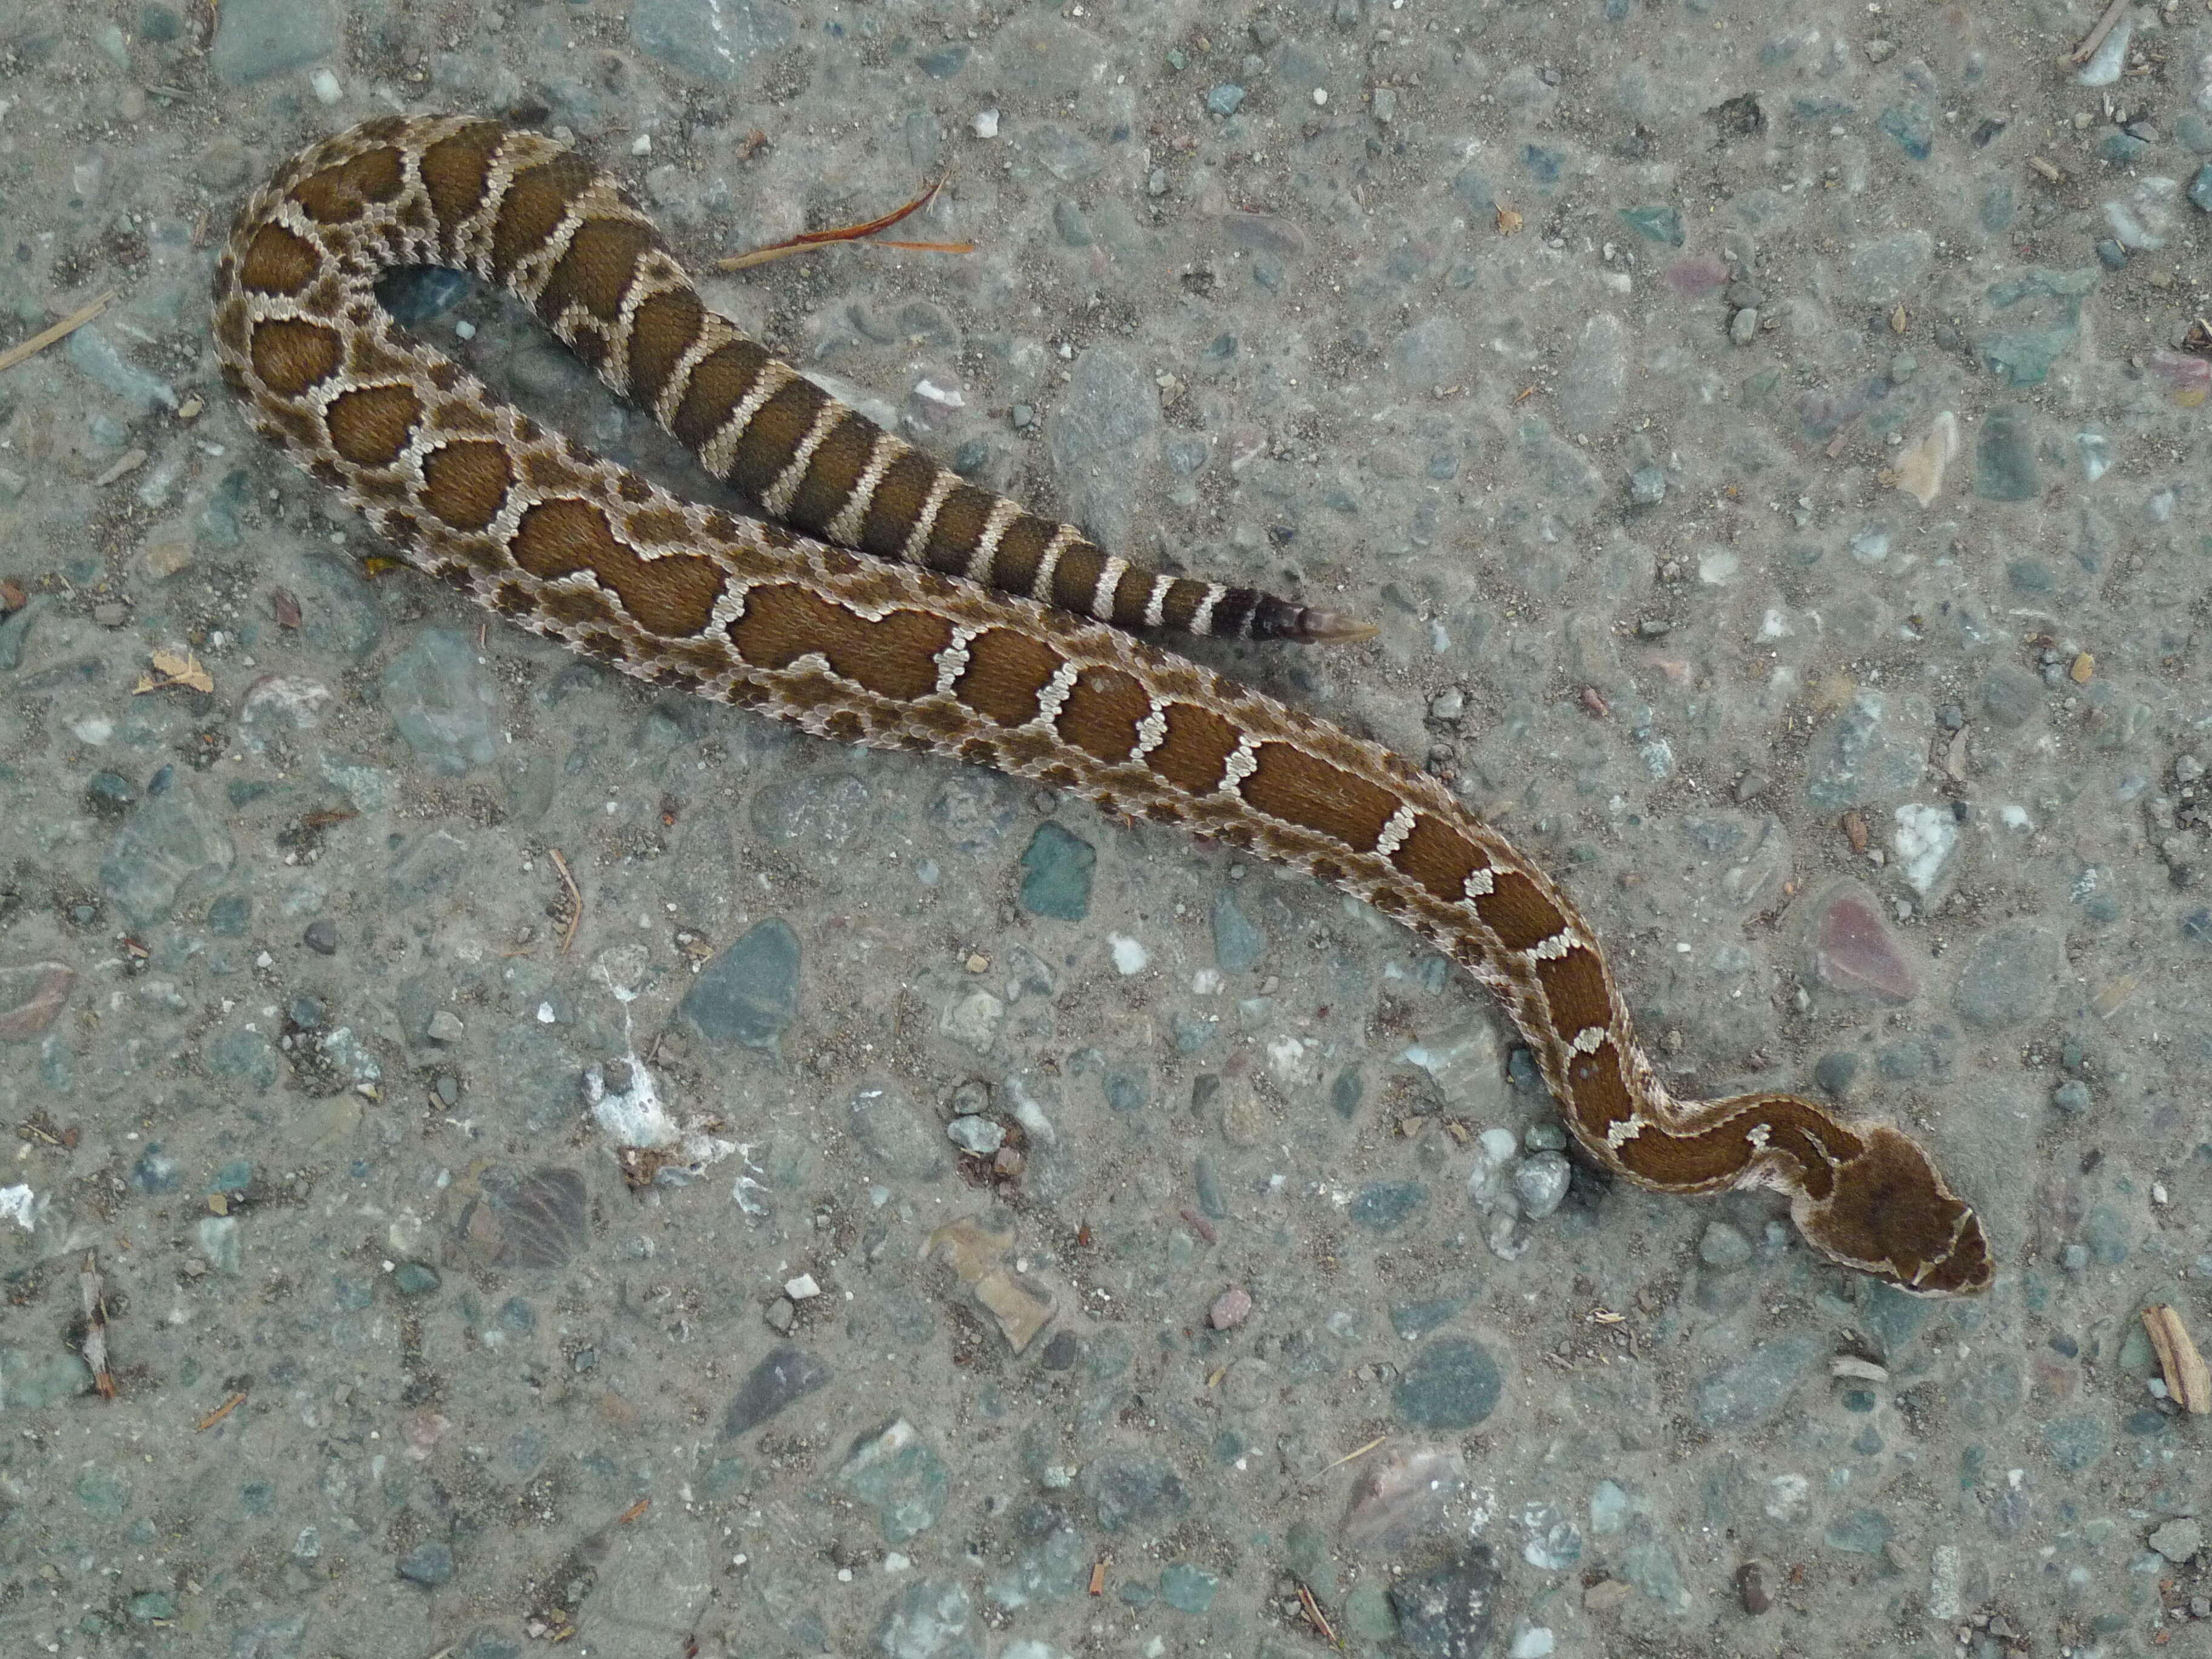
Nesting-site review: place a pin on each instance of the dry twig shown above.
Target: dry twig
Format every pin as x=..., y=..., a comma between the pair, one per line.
x=814, y=239
x=1315, y=1617
x=93, y=1289
x=219, y=1413
x=1362, y=1452
x=2096, y=38
x=45, y=337
x=575, y=900
x=2187, y=1382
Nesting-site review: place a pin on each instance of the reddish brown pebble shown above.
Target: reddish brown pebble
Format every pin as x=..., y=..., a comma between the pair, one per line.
x=1751, y=1586
x=1231, y=1308
x=30, y=996
x=1200, y=1225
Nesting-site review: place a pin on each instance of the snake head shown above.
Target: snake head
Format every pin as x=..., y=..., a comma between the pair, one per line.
x=1889, y=1213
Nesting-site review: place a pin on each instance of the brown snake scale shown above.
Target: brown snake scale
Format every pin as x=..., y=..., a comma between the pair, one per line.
x=898, y=642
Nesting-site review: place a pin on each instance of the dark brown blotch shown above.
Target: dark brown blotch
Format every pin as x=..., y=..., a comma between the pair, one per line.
x=1575, y=991
x=957, y=529
x=1132, y=594
x=466, y=483
x=671, y=595
x=1300, y=788
x=1180, y=609
x=1438, y=857
x=774, y=434
x=662, y=329
x=338, y=194
x=1516, y=910
x=1194, y=754
x=596, y=267
x=894, y=655
x=833, y=472
x=1006, y=671
x=278, y=261
x=575, y=606
x=719, y=383
x=1102, y=711
x=371, y=425
x=895, y=507
x=1075, y=578
x=535, y=202
x=289, y=356
x=1602, y=1096
x=455, y=170
x=1020, y=550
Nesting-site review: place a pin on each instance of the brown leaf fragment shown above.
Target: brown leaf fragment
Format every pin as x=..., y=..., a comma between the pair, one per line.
x=285, y=605
x=174, y=670
x=2187, y=1383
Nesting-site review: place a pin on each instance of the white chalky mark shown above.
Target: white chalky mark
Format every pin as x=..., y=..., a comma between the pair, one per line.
x=1003, y=513
x=1151, y=732
x=1395, y=831
x=925, y=520
x=1041, y=584
x=1054, y=696
x=852, y=517
x=720, y=453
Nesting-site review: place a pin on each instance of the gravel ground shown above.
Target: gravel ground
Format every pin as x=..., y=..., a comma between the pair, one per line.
x=552, y=1160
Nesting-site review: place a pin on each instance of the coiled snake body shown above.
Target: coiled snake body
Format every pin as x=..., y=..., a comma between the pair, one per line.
x=910, y=610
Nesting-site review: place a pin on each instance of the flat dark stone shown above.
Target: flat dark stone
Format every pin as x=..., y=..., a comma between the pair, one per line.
x=784, y=1375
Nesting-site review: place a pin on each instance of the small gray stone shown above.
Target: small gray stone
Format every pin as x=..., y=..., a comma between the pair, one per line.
x=785, y=1374
x=709, y=40
x=172, y=849
x=321, y=936
x=1647, y=486
x=1238, y=944
x=895, y=1472
x=1858, y=1532
x=1451, y=1384
x=750, y=993
x=1382, y=1207
x=257, y=39
x=2004, y=459
x=31, y=996
x=1743, y=327
x=979, y=1137
x=429, y=1564
x=1099, y=430
x=1754, y=1388
x=2009, y=976
x=1596, y=375
x=1541, y=1184
x=2177, y=1541
x=95, y=354
x=885, y=1123
x=2071, y=1097
x=1125, y=1491
x=930, y=1618
x=1860, y=757
x=442, y=700
x=1056, y=874
x=1446, y=1613
x=1225, y=98
x=33, y=1382
x=1724, y=1246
